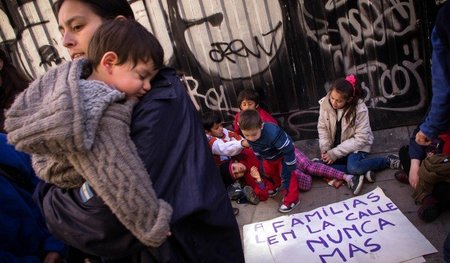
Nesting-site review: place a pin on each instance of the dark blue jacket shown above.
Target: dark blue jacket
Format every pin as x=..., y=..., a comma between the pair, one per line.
x=438, y=118
x=275, y=144
x=171, y=142
x=23, y=234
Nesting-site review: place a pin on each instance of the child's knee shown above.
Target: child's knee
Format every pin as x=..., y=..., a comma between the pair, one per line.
x=304, y=180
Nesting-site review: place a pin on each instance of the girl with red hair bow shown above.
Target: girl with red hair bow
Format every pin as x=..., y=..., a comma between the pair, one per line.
x=345, y=135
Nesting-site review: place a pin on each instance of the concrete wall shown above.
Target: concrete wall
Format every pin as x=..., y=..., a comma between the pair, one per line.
x=289, y=50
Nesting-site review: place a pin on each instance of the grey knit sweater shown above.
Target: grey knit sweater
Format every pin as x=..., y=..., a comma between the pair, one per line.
x=78, y=130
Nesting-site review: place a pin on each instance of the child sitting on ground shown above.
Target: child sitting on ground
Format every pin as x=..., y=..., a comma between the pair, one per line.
x=307, y=168
x=246, y=165
x=249, y=99
x=226, y=145
x=345, y=135
x=80, y=133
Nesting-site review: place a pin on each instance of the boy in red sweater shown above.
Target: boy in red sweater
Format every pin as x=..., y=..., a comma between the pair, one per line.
x=249, y=99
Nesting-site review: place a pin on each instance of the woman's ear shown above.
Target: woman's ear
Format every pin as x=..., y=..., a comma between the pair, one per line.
x=109, y=60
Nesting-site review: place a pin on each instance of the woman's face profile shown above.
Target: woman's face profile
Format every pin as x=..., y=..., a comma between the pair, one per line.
x=77, y=24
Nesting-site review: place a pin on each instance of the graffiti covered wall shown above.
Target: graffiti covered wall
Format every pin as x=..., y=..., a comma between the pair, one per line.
x=288, y=50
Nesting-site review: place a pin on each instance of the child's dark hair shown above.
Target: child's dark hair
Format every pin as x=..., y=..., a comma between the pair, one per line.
x=209, y=119
x=129, y=40
x=348, y=88
x=248, y=94
x=249, y=120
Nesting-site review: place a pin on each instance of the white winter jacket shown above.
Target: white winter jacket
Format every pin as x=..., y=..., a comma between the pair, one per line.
x=354, y=138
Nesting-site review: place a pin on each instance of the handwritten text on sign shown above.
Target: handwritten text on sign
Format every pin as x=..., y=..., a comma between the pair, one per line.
x=361, y=228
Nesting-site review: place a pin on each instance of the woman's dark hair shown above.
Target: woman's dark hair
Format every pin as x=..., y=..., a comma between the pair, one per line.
x=349, y=89
x=249, y=120
x=106, y=9
x=209, y=119
x=13, y=81
x=130, y=40
x=248, y=94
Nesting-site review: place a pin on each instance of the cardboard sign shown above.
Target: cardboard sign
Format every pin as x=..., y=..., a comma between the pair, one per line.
x=367, y=228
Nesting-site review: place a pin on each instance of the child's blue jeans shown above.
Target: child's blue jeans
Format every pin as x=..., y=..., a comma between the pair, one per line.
x=358, y=164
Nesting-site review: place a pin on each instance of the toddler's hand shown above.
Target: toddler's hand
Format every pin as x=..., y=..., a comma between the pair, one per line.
x=255, y=173
x=245, y=144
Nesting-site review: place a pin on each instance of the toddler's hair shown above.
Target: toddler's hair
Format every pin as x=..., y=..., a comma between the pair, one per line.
x=248, y=94
x=209, y=119
x=348, y=88
x=249, y=120
x=131, y=41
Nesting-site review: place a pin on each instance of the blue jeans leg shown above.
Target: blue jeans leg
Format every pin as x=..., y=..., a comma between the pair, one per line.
x=358, y=163
x=340, y=167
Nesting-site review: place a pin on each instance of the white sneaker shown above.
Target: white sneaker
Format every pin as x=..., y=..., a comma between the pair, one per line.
x=370, y=176
x=288, y=208
x=356, y=184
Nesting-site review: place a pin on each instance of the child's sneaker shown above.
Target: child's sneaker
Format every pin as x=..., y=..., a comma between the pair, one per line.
x=286, y=208
x=234, y=191
x=356, y=184
x=370, y=176
x=250, y=195
x=273, y=193
x=394, y=161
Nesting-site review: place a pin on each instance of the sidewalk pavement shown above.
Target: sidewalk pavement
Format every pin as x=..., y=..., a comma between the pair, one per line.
x=386, y=142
